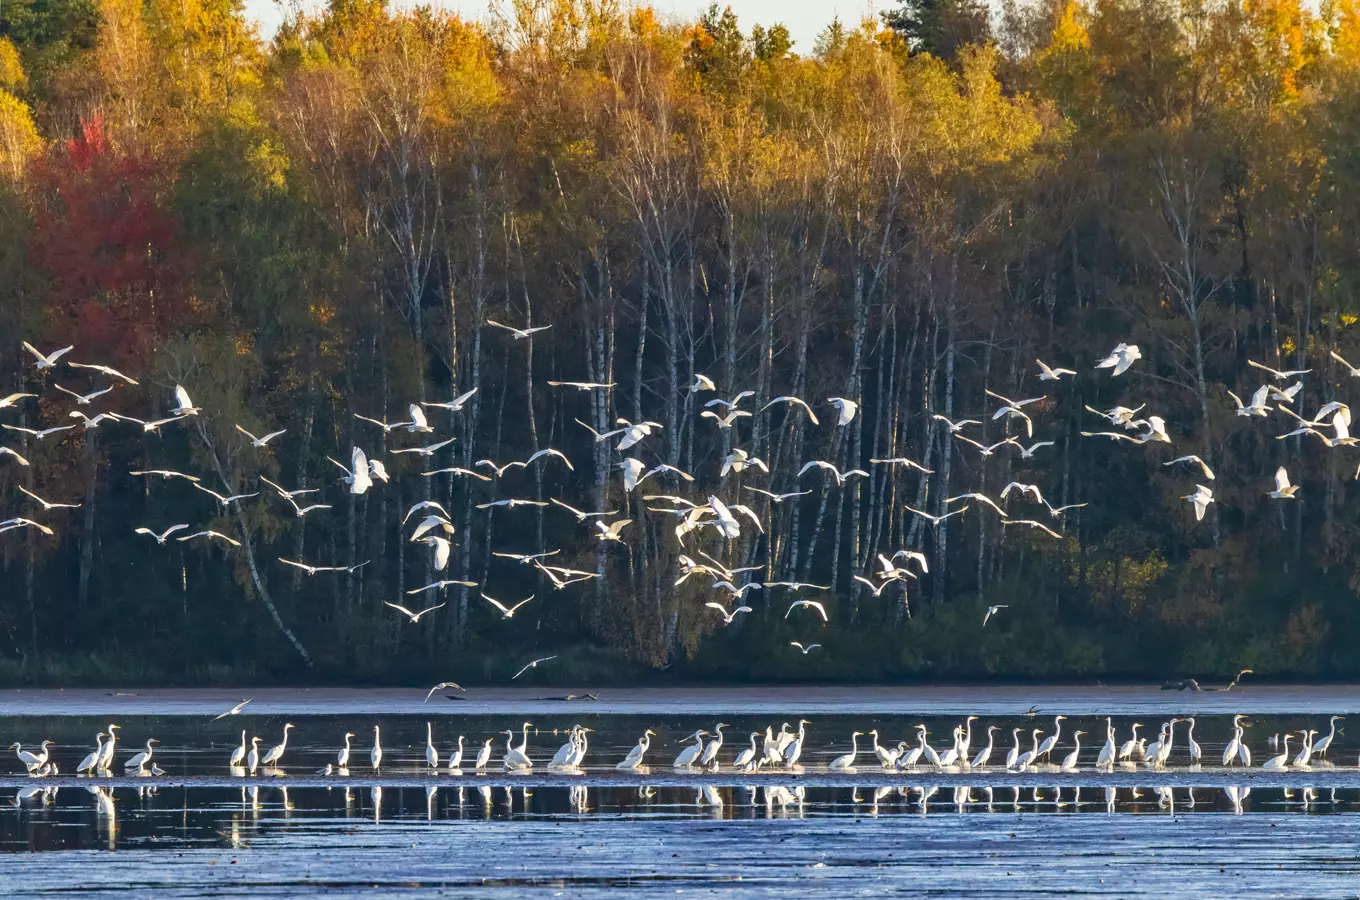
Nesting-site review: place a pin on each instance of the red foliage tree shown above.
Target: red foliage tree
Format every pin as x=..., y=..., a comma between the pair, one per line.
x=118, y=273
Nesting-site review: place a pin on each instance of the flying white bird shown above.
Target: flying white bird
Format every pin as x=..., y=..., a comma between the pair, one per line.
x=112, y=373
x=1123, y=356
x=936, y=520
x=81, y=399
x=876, y=589
x=1257, y=407
x=511, y=503
x=1029, y=490
x=20, y=522
x=807, y=649
x=7, y=451
x=729, y=404
x=1283, y=489
x=358, y=477
x=532, y=665
x=525, y=559
x=902, y=461
x=583, y=385
x=442, y=550
x=164, y=473
x=299, y=511
x=1048, y=374
x=580, y=515
x=387, y=428
x=810, y=604
x=991, y=611
x=160, y=538
x=313, y=570
x=423, y=504
x=1057, y=511
x=657, y=470
x=414, y=616
x=222, y=499
x=429, y=450
x=1120, y=415
x=725, y=421
x=631, y=433
x=776, y=498
x=1203, y=466
x=828, y=467
x=7, y=402
x=441, y=686
x=728, y=617
x=1028, y=452
x=955, y=427
x=739, y=460
x=887, y=569
x=727, y=523
x=845, y=408
x=1200, y=499
x=1286, y=395
x=737, y=593
x=261, y=441
x=507, y=612
x=611, y=531
x=794, y=401
x=91, y=423
x=46, y=361
x=1354, y=372
x=519, y=333
x=987, y=449
x=418, y=421
x=632, y=472
x=430, y=523
x=456, y=470
x=1033, y=524
x=234, y=711
x=550, y=452
x=981, y=498
x=46, y=505
x=796, y=585
x=1276, y=373
x=702, y=383
x=215, y=535
x=440, y=585
x=456, y=404
x=38, y=434
x=183, y=405
x=288, y=495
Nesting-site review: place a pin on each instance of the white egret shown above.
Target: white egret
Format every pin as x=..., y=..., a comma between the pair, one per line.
x=234, y=711
x=276, y=752
x=1050, y=374
x=1280, y=761
x=430, y=523
x=1070, y=763
x=533, y=665
x=794, y=401
x=47, y=506
x=845, y=409
x=1107, y=752
x=1204, y=467
x=810, y=604
x=836, y=473
x=7, y=451
x=710, y=754
x=848, y=760
x=107, y=758
x=564, y=753
x=1121, y=358
x=795, y=748
x=140, y=760
x=442, y=550
x=1305, y=756
x=483, y=755
x=1276, y=373
x=955, y=427
x=993, y=610
x=728, y=617
x=745, y=757
x=12, y=399
x=264, y=440
x=1127, y=748
x=342, y=757
x=44, y=361
x=105, y=370
x=1195, y=751
x=211, y=535
x=519, y=333
x=580, y=515
x=634, y=757
x=936, y=520
x=611, y=532
x=456, y=757
x=357, y=473
x=583, y=385
x=511, y=503
x=440, y=687
x=38, y=433
x=414, y=616
x=456, y=404
x=702, y=383
x=805, y=649
x=507, y=612
x=428, y=450
x=91, y=762
x=1321, y=747
x=728, y=420
x=183, y=405
x=31, y=761
x=376, y=754
x=82, y=399
x=1257, y=406
x=1030, y=755
x=1200, y=499
x=688, y=756
x=431, y=754
x=1032, y=523
x=985, y=754
x=238, y=756
x=161, y=537
x=1014, y=755
x=1286, y=395
x=1283, y=489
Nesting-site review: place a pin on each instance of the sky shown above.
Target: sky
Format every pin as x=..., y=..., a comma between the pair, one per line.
x=804, y=18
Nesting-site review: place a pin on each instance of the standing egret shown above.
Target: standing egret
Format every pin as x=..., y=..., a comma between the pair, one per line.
x=456, y=757
x=484, y=755
x=276, y=753
x=342, y=758
x=710, y=754
x=31, y=761
x=1322, y=746
x=886, y=757
x=565, y=752
x=634, y=757
x=1126, y=751
x=375, y=755
x=1046, y=748
x=985, y=754
x=795, y=750
x=1070, y=763
x=1195, y=752
x=139, y=761
x=1164, y=751
x=745, y=757
x=1029, y=756
x=1014, y=755
x=88, y=763
x=518, y=757
x=238, y=755
x=847, y=761
x=1305, y=755
x=253, y=757
x=1106, y=757
x=582, y=744
x=431, y=754
x=1230, y=752
x=1280, y=761
x=689, y=755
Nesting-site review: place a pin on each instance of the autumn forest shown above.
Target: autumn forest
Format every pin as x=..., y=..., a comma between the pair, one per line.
x=320, y=226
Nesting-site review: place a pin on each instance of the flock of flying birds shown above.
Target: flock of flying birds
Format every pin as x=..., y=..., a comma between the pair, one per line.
x=726, y=518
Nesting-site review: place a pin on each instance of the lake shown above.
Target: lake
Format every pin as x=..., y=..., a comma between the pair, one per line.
x=202, y=828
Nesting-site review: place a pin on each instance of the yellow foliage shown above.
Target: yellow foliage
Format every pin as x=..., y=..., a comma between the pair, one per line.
x=12, y=77
x=19, y=141
x=1070, y=34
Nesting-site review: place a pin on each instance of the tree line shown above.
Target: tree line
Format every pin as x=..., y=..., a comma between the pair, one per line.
x=907, y=215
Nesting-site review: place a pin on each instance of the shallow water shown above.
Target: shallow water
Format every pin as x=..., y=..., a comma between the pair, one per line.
x=203, y=828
